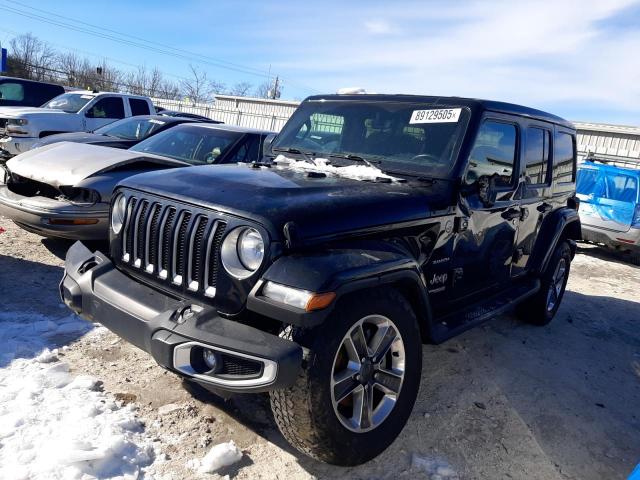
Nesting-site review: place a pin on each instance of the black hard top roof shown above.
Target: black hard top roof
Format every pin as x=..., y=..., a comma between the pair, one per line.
x=473, y=103
x=2, y=77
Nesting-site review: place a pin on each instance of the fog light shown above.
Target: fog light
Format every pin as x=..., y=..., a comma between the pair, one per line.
x=210, y=359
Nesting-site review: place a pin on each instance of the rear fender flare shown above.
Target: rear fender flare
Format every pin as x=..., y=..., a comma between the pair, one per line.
x=562, y=224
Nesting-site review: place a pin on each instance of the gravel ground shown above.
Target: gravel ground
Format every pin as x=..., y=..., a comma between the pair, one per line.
x=505, y=400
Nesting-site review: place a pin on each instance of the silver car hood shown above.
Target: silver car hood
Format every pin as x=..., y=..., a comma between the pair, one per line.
x=68, y=163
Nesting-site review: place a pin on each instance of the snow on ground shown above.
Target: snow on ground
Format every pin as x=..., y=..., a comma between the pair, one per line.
x=221, y=455
x=55, y=426
x=321, y=165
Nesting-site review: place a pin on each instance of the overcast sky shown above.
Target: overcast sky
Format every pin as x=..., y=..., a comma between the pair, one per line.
x=578, y=59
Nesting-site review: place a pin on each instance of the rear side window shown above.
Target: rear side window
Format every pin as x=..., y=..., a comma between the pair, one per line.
x=109, y=107
x=537, y=155
x=564, y=164
x=12, y=91
x=622, y=188
x=42, y=93
x=139, y=107
x=493, y=154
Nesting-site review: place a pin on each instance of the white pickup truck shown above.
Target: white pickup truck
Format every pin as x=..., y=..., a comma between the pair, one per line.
x=76, y=111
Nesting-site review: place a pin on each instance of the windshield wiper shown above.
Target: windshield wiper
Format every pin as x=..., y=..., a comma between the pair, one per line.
x=295, y=151
x=355, y=158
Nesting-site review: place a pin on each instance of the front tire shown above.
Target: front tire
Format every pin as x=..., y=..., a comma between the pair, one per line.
x=542, y=307
x=358, y=383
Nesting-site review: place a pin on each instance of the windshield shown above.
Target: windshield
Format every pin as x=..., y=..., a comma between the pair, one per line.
x=69, y=102
x=197, y=145
x=132, y=128
x=402, y=137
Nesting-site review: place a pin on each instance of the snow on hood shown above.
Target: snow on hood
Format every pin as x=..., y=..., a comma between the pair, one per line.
x=322, y=165
x=67, y=163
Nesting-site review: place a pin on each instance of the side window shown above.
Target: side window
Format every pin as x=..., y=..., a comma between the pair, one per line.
x=493, y=154
x=138, y=106
x=537, y=155
x=109, y=107
x=11, y=91
x=248, y=151
x=564, y=164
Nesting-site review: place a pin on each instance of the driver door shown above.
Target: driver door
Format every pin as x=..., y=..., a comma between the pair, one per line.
x=483, y=252
x=104, y=111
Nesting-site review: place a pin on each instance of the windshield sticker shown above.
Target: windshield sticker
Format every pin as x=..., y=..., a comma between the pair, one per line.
x=159, y=122
x=440, y=115
x=89, y=97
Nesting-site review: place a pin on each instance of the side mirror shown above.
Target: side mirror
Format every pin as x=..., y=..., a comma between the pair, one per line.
x=487, y=190
x=266, y=145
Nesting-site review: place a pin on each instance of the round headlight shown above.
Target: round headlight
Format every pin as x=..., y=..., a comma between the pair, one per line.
x=118, y=213
x=242, y=252
x=251, y=249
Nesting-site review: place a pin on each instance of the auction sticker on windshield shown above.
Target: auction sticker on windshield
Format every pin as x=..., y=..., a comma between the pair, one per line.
x=440, y=115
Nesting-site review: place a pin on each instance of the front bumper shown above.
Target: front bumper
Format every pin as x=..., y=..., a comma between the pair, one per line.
x=159, y=324
x=35, y=213
x=15, y=145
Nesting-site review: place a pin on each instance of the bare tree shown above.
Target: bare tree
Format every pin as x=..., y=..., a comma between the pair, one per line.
x=169, y=90
x=241, y=89
x=31, y=57
x=262, y=90
x=196, y=89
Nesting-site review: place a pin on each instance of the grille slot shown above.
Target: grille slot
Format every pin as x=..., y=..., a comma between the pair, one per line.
x=177, y=245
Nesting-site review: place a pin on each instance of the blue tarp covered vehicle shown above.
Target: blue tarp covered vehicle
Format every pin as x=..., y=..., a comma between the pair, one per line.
x=610, y=205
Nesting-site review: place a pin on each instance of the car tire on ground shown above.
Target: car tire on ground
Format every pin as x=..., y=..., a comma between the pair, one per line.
x=542, y=307
x=318, y=415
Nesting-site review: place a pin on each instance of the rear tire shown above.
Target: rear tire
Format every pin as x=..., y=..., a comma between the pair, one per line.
x=542, y=307
x=314, y=414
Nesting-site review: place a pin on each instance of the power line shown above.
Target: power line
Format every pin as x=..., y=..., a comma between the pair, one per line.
x=96, y=55
x=177, y=53
x=151, y=42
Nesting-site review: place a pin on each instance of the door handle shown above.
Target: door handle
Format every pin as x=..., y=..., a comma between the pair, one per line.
x=511, y=214
x=544, y=207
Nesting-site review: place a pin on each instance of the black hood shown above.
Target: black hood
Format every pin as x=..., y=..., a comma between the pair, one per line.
x=275, y=196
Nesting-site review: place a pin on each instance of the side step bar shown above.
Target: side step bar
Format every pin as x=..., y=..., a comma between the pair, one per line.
x=461, y=320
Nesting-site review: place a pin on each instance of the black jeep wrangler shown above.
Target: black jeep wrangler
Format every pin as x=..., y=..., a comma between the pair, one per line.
x=374, y=224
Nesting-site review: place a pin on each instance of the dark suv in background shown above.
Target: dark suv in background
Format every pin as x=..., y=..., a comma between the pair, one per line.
x=18, y=92
x=383, y=222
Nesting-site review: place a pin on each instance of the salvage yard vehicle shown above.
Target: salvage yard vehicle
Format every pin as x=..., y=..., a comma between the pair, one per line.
x=77, y=111
x=18, y=92
x=123, y=133
x=64, y=189
x=610, y=205
x=383, y=222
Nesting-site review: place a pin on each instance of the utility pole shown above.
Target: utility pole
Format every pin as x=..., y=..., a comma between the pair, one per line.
x=274, y=92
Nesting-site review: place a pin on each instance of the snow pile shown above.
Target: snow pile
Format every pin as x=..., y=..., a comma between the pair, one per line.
x=221, y=455
x=25, y=335
x=55, y=426
x=321, y=165
x=436, y=469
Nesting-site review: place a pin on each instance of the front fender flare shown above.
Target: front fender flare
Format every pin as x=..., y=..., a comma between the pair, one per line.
x=342, y=271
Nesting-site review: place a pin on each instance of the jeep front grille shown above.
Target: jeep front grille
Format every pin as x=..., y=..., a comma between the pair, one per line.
x=177, y=245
